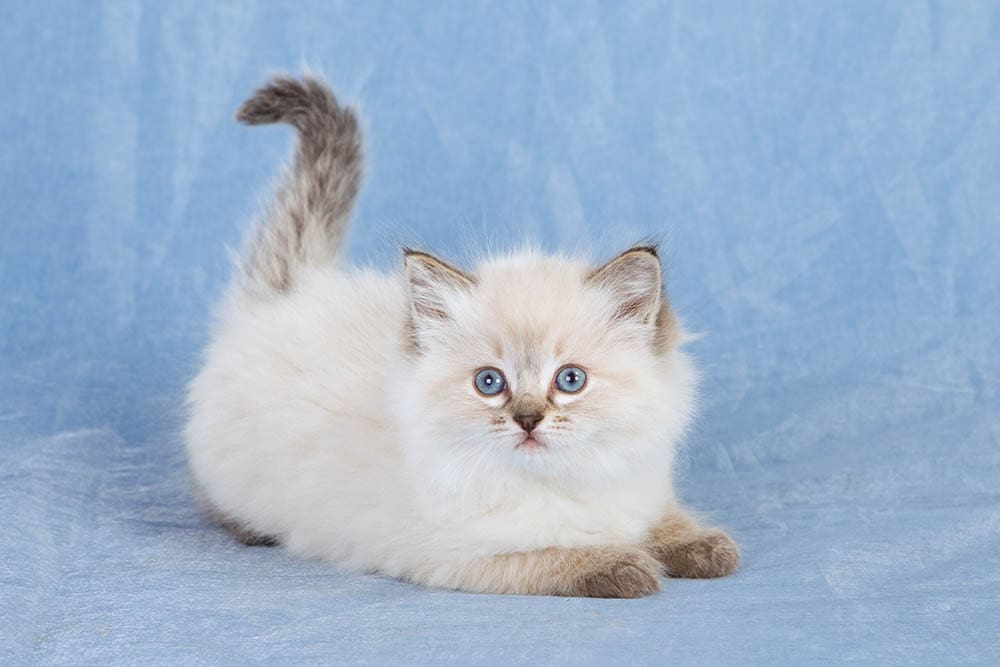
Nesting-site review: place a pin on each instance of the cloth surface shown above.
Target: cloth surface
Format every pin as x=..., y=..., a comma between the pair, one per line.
x=826, y=180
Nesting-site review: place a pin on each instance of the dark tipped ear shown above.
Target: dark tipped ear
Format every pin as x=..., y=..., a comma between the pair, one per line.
x=634, y=279
x=432, y=282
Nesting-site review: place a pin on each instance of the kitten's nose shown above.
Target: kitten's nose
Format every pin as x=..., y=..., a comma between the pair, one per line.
x=529, y=421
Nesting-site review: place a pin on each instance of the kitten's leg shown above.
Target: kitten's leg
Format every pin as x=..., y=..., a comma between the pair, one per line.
x=239, y=531
x=246, y=536
x=691, y=551
x=600, y=572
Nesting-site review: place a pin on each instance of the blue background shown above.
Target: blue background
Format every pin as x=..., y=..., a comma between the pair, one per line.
x=826, y=177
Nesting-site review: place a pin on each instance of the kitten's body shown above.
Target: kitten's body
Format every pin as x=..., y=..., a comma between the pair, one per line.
x=336, y=411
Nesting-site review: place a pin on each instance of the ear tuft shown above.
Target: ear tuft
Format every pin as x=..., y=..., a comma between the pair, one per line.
x=431, y=282
x=634, y=279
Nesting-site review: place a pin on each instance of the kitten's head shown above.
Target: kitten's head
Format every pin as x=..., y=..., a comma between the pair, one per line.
x=542, y=367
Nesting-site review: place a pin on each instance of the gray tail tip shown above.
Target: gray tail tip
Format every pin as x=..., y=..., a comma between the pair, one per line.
x=285, y=99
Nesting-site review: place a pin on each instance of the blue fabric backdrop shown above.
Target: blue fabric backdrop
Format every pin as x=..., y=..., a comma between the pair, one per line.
x=827, y=180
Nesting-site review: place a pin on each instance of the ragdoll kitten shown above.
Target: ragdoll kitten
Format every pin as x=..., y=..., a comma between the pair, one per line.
x=506, y=430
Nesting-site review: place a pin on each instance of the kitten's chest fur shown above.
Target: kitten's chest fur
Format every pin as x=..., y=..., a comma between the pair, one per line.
x=519, y=514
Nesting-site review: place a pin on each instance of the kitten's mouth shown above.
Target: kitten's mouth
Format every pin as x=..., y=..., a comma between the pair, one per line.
x=530, y=443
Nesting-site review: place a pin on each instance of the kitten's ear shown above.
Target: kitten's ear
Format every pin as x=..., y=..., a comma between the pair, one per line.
x=431, y=283
x=634, y=279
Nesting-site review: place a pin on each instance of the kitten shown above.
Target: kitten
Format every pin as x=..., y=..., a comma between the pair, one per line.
x=507, y=430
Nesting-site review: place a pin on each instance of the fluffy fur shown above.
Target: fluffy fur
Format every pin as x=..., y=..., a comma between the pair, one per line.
x=336, y=412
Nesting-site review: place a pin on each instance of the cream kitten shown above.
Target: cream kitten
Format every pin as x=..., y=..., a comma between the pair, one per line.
x=509, y=430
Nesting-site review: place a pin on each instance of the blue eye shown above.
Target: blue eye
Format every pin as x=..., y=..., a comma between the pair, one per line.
x=490, y=382
x=571, y=379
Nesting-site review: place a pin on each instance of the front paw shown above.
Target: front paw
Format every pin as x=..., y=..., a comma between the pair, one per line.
x=617, y=572
x=709, y=554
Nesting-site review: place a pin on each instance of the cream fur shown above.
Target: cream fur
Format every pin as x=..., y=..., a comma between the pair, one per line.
x=310, y=421
x=336, y=410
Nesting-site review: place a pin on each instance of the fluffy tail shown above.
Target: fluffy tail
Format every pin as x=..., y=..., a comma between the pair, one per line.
x=306, y=222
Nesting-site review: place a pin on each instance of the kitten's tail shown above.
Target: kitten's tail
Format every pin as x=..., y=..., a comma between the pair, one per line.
x=307, y=220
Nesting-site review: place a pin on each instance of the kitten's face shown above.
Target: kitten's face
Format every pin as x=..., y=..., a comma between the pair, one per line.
x=543, y=367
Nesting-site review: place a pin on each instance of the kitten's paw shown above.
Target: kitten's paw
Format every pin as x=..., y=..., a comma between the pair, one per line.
x=618, y=572
x=709, y=554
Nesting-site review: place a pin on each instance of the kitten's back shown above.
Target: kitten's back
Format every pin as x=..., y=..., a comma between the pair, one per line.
x=290, y=405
